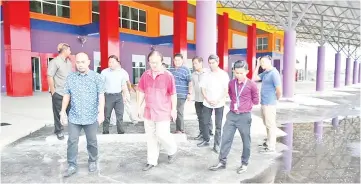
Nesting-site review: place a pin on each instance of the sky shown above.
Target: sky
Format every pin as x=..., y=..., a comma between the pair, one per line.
x=310, y=49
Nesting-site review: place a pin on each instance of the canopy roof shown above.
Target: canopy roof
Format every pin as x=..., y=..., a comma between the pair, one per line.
x=335, y=22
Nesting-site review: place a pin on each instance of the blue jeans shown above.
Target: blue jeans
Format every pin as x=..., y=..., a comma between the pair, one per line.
x=234, y=121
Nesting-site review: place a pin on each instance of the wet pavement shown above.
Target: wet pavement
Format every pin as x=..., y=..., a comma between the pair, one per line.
x=319, y=152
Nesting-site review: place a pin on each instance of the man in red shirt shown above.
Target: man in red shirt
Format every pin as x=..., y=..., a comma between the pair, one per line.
x=157, y=88
x=243, y=94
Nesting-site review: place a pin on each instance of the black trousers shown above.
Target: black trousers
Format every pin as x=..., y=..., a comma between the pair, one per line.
x=113, y=101
x=57, y=101
x=199, y=111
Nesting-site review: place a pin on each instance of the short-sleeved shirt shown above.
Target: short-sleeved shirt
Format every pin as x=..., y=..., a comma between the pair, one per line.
x=197, y=77
x=247, y=93
x=270, y=80
x=59, y=68
x=215, y=85
x=182, y=77
x=84, y=91
x=158, y=92
x=114, y=79
x=126, y=75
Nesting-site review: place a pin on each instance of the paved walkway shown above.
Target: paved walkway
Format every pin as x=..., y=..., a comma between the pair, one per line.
x=41, y=157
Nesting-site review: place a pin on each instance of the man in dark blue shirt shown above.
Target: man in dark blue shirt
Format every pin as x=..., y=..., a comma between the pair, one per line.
x=183, y=84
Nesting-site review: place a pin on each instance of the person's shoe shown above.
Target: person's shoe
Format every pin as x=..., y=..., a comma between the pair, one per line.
x=216, y=149
x=70, y=171
x=93, y=167
x=217, y=167
x=203, y=144
x=199, y=137
x=60, y=136
x=135, y=122
x=264, y=145
x=267, y=151
x=148, y=167
x=121, y=132
x=172, y=158
x=105, y=132
x=242, y=169
x=211, y=133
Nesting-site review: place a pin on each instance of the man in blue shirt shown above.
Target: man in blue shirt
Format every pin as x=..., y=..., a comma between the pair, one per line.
x=271, y=92
x=183, y=84
x=84, y=90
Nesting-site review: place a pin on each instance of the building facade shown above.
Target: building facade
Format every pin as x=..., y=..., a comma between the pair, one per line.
x=141, y=27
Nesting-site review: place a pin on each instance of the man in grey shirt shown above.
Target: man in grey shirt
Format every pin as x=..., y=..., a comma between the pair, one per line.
x=198, y=75
x=115, y=93
x=58, y=70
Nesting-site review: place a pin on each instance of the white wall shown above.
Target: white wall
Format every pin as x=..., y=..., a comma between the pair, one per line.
x=166, y=27
x=239, y=41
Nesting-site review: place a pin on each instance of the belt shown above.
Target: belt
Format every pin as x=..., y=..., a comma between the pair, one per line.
x=113, y=93
x=240, y=112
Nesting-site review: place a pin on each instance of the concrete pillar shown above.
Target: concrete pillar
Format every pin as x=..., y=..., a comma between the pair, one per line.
x=222, y=44
x=289, y=63
x=337, y=74
x=335, y=122
x=251, y=48
x=306, y=69
x=108, y=30
x=320, y=78
x=206, y=29
x=348, y=72
x=355, y=72
x=180, y=28
x=359, y=72
x=17, y=44
x=318, y=130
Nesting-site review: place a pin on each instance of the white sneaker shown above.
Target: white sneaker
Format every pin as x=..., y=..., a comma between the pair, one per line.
x=242, y=169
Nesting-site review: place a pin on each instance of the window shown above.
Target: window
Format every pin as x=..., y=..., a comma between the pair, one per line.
x=57, y=8
x=95, y=11
x=139, y=67
x=262, y=43
x=132, y=18
x=278, y=44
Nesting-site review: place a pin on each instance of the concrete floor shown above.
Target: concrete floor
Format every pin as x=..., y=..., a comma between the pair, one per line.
x=39, y=157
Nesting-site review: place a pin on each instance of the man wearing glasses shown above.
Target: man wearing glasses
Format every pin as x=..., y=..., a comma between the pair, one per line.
x=243, y=94
x=271, y=92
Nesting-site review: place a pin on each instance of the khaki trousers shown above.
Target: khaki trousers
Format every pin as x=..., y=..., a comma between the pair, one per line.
x=158, y=133
x=269, y=120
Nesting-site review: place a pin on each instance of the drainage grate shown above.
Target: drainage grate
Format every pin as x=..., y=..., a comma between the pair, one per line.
x=5, y=124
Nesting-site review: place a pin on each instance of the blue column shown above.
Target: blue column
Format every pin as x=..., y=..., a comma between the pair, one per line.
x=336, y=80
x=320, y=78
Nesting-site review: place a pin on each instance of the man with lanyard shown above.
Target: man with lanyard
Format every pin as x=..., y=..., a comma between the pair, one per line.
x=115, y=93
x=243, y=94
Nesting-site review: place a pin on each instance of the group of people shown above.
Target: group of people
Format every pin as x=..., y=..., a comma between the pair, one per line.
x=84, y=99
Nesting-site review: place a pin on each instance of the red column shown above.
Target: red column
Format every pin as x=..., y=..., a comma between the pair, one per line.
x=108, y=30
x=222, y=43
x=17, y=48
x=251, y=48
x=180, y=28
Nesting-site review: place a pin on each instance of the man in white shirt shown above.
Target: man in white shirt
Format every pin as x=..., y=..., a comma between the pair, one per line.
x=115, y=93
x=214, y=89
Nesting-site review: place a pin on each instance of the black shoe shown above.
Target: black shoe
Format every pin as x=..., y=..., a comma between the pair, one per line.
x=92, y=167
x=121, y=132
x=217, y=167
x=216, y=149
x=148, y=167
x=211, y=133
x=105, y=132
x=70, y=171
x=264, y=145
x=171, y=158
x=60, y=136
x=199, y=137
x=203, y=144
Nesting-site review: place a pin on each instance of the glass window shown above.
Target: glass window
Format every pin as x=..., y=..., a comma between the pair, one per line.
x=95, y=17
x=58, y=8
x=138, y=62
x=132, y=18
x=262, y=43
x=278, y=44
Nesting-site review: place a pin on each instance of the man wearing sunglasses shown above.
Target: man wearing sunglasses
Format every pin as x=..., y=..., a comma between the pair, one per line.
x=271, y=92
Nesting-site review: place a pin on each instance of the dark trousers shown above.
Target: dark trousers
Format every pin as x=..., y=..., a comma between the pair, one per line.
x=73, y=140
x=57, y=101
x=199, y=110
x=113, y=101
x=234, y=121
x=207, y=113
x=180, y=114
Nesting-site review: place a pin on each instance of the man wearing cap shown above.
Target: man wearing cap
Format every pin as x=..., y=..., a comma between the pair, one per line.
x=58, y=70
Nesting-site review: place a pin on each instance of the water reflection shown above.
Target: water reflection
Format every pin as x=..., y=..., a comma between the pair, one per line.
x=319, y=156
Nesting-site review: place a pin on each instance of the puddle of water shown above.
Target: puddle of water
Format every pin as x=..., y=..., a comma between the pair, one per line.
x=319, y=152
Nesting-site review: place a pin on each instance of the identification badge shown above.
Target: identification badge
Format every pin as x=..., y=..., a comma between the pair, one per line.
x=235, y=107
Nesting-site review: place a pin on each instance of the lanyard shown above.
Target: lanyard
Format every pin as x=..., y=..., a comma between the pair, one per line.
x=236, y=89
